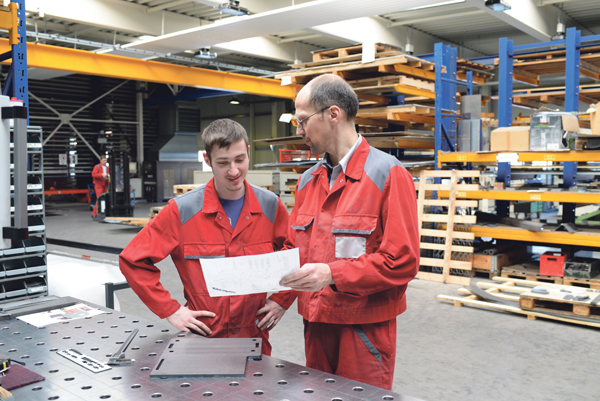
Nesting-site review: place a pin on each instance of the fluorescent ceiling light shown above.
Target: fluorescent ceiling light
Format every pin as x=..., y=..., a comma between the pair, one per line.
x=146, y=37
x=497, y=5
x=234, y=101
x=233, y=8
x=443, y=3
x=205, y=53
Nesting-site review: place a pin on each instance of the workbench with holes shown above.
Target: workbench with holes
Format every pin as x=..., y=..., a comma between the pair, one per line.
x=99, y=337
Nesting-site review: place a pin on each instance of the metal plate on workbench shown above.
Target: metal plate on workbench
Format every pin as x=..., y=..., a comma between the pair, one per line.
x=196, y=356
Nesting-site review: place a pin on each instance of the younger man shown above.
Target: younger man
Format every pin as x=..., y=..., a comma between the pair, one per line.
x=226, y=217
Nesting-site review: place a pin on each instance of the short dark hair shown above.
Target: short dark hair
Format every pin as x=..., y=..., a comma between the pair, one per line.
x=223, y=133
x=328, y=90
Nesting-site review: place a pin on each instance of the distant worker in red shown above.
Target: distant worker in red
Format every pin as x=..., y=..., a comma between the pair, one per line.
x=100, y=173
x=355, y=222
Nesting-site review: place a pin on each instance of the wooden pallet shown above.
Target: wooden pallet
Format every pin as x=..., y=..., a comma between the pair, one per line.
x=128, y=221
x=408, y=115
x=529, y=272
x=154, y=211
x=444, y=229
x=350, y=53
x=536, y=98
x=593, y=283
x=396, y=65
x=511, y=289
x=483, y=273
x=390, y=84
x=528, y=67
x=554, y=302
x=182, y=189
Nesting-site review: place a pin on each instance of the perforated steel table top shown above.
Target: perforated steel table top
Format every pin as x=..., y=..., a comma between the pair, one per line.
x=100, y=336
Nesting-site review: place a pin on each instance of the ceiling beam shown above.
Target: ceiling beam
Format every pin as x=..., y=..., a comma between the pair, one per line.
x=166, y=5
x=546, y=2
x=437, y=17
x=84, y=62
x=270, y=48
x=526, y=16
x=113, y=15
x=276, y=21
x=361, y=30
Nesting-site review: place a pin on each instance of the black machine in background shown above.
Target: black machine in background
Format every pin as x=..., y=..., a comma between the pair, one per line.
x=117, y=202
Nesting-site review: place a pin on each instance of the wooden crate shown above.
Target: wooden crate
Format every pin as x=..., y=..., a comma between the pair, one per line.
x=495, y=263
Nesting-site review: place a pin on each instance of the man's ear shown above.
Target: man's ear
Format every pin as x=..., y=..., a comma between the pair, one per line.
x=335, y=112
x=206, y=159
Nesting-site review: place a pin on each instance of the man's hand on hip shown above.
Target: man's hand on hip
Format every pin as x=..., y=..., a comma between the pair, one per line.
x=185, y=320
x=311, y=277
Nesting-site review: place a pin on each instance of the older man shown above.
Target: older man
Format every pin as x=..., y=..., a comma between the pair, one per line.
x=355, y=222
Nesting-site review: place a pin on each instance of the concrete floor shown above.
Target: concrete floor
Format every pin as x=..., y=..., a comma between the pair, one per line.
x=444, y=352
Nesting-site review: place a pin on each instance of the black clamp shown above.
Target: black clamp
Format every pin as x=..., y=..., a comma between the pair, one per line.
x=14, y=112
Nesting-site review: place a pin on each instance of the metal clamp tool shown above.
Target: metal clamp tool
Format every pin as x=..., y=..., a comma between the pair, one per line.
x=118, y=358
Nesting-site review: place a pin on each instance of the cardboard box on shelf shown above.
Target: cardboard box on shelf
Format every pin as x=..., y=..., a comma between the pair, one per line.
x=509, y=138
x=595, y=119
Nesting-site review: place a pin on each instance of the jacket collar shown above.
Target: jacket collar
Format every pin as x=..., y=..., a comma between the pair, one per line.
x=356, y=164
x=213, y=205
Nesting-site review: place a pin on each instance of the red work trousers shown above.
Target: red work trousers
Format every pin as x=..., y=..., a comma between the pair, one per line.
x=361, y=352
x=100, y=189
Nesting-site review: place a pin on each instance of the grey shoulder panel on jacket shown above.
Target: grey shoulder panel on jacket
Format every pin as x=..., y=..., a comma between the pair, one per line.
x=190, y=203
x=378, y=166
x=307, y=176
x=268, y=202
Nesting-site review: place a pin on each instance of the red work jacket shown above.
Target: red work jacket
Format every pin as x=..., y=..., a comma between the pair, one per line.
x=97, y=175
x=366, y=229
x=193, y=226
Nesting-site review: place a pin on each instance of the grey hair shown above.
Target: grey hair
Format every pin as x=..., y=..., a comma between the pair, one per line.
x=328, y=90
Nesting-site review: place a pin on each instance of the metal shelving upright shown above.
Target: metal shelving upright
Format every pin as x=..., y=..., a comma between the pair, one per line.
x=23, y=266
x=445, y=99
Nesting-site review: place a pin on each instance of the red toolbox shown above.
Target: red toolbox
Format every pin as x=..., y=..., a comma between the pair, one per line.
x=553, y=264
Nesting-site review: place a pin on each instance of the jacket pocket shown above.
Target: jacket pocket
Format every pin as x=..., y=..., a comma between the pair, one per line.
x=203, y=251
x=303, y=222
x=259, y=248
x=302, y=230
x=193, y=277
x=351, y=232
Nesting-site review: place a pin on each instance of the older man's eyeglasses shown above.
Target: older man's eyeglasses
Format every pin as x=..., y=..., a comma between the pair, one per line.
x=298, y=123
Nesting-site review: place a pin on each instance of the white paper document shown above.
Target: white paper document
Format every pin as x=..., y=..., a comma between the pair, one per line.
x=251, y=274
x=42, y=319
